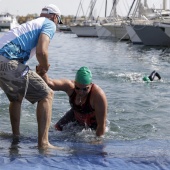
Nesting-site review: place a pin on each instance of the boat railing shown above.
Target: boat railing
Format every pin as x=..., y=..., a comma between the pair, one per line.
x=5, y=21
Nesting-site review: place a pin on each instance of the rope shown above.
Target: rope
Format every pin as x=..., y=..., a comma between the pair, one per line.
x=26, y=85
x=25, y=74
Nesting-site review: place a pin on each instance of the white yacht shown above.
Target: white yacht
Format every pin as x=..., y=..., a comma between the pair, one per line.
x=87, y=26
x=85, y=29
x=116, y=26
x=8, y=21
x=117, y=30
x=102, y=32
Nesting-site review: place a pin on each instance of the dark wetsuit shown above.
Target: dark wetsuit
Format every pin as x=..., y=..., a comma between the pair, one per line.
x=153, y=75
x=84, y=114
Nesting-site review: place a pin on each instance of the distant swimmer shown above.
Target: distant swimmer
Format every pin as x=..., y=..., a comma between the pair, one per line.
x=152, y=76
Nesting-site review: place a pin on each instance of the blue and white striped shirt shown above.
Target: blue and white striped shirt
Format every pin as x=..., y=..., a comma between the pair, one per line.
x=20, y=43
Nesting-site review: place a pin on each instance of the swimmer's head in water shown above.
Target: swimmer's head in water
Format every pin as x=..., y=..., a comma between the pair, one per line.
x=83, y=76
x=146, y=78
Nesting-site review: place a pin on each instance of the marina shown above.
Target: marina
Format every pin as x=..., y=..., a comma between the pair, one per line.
x=137, y=133
x=142, y=25
x=137, y=128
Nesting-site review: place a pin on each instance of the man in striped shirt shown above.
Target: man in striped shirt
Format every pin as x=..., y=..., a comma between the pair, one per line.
x=16, y=79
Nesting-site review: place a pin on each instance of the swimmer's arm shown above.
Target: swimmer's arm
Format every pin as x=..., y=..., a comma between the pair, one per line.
x=100, y=106
x=42, y=51
x=65, y=85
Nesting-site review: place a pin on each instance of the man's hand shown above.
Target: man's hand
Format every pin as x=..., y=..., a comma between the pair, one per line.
x=41, y=70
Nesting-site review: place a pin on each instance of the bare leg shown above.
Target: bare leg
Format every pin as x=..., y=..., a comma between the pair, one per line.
x=44, y=112
x=15, y=110
x=68, y=117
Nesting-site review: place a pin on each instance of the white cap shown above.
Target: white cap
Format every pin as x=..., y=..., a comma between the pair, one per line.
x=51, y=9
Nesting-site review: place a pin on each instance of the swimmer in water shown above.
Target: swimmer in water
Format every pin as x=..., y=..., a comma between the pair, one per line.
x=87, y=100
x=151, y=77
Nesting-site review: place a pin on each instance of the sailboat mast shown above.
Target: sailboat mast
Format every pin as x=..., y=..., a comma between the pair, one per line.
x=113, y=10
x=92, y=4
x=106, y=8
x=145, y=3
x=164, y=4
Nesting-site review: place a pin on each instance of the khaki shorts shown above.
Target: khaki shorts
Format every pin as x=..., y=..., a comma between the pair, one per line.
x=16, y=79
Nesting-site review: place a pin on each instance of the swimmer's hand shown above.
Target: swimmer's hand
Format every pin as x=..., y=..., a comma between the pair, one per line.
x=97, y=140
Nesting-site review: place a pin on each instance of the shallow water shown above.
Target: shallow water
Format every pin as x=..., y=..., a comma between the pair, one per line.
x=137, y=136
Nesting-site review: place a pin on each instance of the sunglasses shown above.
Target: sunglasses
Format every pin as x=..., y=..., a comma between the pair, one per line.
x=84, y=89
x=59, y=20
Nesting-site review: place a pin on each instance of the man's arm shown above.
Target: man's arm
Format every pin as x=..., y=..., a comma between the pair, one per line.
x=42, y=51
x=100, y=106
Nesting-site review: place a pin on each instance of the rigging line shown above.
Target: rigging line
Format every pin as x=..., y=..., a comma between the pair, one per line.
x=77, y=10
x=93, y=3
x=113, y=10
x=130, y=9
x=88, y=8
x=125, y=7
x=82, y=8
x=101, y=7
x=135, y=9
x=122, y=37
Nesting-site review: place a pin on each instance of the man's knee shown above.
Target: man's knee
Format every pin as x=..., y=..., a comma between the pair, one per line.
x=50, y=95
x=16, y=99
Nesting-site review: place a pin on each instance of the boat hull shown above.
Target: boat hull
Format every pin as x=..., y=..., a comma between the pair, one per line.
x=152, y=35
x=132, y=35
x=118, y=31
x=103, y=32
x=84, y=31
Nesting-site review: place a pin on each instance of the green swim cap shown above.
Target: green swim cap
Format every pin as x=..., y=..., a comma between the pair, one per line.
x=146, y=78
x=83, y=76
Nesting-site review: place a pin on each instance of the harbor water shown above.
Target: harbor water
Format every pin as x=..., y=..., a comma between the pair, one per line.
x=138, y=120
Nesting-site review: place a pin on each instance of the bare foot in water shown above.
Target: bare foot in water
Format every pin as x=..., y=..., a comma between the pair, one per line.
x=56, y=147
x=49, y=146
